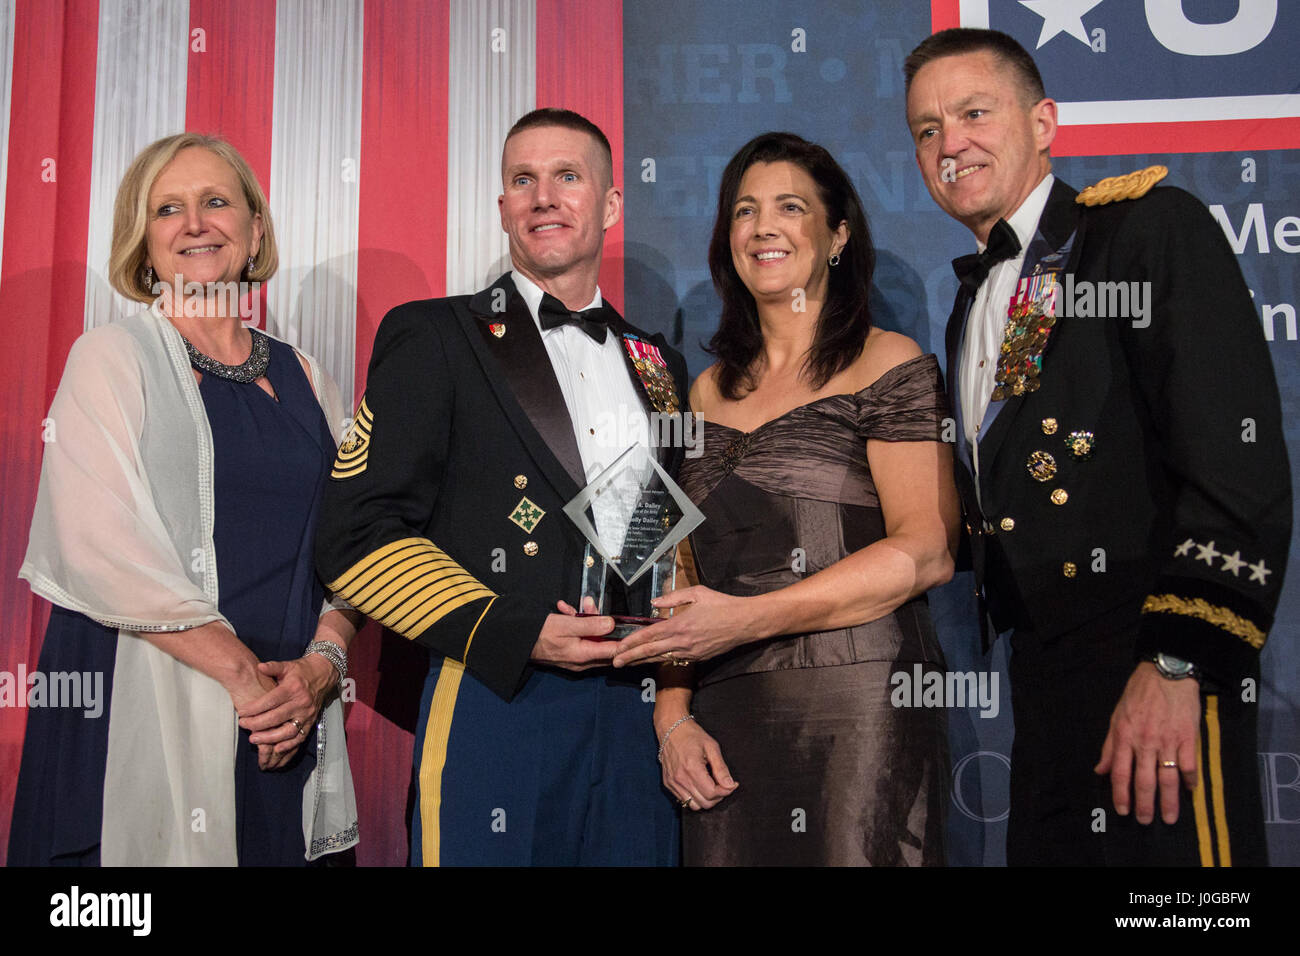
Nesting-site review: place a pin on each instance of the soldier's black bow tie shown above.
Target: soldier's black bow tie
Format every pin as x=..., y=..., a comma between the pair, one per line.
x=973, y=269
x=553, y=314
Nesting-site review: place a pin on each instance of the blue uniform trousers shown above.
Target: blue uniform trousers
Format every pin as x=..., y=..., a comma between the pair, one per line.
x=563, y=775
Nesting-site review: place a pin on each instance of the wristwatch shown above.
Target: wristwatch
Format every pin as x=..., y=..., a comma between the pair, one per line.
x=1174, y=668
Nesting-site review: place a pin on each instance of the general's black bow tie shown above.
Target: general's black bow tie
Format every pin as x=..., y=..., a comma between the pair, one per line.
x=973, y=269
x=553, y=314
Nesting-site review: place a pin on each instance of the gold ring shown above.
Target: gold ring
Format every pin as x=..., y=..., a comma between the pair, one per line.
x=1169, y=765
x=298, y=725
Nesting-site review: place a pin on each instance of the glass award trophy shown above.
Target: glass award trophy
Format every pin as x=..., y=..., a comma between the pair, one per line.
x=633, y=517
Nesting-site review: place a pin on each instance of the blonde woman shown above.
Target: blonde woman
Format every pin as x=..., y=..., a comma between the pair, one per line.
x=172, y=533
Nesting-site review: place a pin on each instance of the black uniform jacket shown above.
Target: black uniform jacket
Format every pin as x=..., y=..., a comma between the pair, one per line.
x=1149, y=467
x=431, y=517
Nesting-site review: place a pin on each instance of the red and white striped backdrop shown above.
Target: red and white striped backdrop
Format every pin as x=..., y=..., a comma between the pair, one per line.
x=375, y=128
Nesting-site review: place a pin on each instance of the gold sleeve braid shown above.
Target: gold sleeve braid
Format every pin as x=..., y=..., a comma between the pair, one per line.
x=1203, y=610
x=409, y=585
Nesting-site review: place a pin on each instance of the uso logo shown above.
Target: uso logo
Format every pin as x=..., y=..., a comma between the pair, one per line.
x=1155, y=76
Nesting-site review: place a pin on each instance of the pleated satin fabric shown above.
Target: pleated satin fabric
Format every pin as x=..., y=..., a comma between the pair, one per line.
x=830, y=771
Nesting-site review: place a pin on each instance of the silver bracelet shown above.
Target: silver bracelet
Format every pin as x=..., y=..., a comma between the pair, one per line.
x=667, y=733
x=332, y=653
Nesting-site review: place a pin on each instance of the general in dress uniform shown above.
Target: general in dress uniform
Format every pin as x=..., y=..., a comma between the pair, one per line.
x=482, y=417
x=1122, y=471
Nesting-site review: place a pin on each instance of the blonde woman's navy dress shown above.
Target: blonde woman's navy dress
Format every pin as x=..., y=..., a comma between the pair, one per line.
x=270, y=461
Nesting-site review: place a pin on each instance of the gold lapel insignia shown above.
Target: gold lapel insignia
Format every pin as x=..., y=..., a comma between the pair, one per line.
x=526, y=515
x=498, y=329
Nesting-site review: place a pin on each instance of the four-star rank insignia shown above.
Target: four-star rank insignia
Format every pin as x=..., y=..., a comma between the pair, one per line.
x=653, y=372
x=526, y=515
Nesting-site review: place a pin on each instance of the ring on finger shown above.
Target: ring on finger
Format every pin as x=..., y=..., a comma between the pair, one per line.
x=1169, y=765
x=294, y=721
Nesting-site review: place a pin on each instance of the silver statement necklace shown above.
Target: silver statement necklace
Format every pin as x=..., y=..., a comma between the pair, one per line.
x=252, y=368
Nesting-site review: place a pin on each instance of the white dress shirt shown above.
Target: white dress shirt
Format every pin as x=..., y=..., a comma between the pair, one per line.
x=606, y=410
x=987, y=322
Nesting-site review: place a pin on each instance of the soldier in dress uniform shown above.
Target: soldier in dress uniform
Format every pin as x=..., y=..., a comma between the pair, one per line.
x=483, y=416
x=1123, y=476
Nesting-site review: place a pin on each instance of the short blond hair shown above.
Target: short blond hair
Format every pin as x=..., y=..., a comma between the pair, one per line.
x=126, y=268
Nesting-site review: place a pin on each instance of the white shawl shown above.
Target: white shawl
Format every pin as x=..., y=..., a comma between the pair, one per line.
x=122, y=533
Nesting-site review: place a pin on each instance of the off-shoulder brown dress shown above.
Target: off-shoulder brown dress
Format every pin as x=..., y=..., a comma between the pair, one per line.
x=830, y=772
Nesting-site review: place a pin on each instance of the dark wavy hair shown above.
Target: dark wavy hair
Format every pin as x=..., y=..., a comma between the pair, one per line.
x=845, y=317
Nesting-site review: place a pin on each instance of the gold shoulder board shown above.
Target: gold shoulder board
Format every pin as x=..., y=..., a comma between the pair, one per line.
x=1115, y=188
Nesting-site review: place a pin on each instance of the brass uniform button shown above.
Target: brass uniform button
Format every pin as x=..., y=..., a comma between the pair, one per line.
x=590, y=562
x=521, y=482
x=1069, y=569
x=530, y=548
x=1049, y=426
x=1008, y=524
x=1060, y=496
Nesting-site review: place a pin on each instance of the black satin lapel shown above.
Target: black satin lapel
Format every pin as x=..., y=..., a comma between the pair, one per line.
x=520, y=373
x=952, y=334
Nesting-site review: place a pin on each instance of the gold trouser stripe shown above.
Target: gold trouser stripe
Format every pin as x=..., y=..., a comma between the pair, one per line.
x=408, y=585
x=464, y=658
x=433, y=757
x=1202, y=609
x=1204, y=842
x=1216, y=779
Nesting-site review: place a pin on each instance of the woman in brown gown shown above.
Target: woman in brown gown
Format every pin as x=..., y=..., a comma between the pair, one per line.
x=830, y=511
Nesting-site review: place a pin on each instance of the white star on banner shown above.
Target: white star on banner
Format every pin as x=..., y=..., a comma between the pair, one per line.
x=1232, y=562
x=1061, y=16
x=1184, y=549
x=1208, y=554
x=1260, y=573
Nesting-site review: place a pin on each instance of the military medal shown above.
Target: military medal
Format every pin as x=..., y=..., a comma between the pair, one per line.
x=653, y=372
x=1030, y=319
